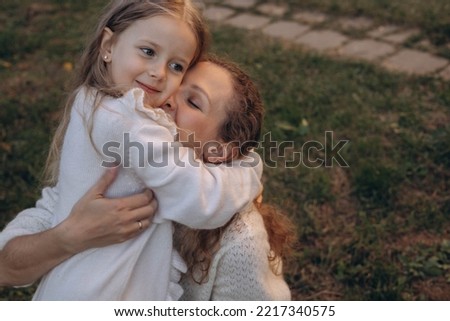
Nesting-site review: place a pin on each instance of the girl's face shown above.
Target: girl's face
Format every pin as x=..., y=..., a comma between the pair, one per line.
x=199, y=106
x=152, y=54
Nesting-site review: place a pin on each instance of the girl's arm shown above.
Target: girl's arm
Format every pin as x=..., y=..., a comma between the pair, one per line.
x=193, y=193
x=33, y=248
x=189, y=191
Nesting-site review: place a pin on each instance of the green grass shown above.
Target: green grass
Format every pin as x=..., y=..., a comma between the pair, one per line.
x=356, y=224
x=376, y=230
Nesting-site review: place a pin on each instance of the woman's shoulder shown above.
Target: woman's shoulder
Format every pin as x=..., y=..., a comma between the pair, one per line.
x=242, y=268
x=247, y=225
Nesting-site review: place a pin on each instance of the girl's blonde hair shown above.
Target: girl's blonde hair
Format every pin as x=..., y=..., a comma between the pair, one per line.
x=92, y=70
x=242, y=126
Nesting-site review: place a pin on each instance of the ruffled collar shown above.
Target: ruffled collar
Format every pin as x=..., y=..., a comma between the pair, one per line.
x=135, y=96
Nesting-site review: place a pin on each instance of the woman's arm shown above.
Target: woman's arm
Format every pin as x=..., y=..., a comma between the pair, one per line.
x=26, y=258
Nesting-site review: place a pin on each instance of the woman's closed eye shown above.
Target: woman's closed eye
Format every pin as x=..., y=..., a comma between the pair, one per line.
x=193, y=104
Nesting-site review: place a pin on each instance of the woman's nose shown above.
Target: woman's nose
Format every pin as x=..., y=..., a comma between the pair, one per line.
x=170, y=107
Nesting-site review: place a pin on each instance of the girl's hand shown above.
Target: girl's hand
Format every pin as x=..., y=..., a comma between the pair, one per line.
x=96, y=221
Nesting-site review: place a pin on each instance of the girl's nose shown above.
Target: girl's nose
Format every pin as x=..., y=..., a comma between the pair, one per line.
x=157, y=70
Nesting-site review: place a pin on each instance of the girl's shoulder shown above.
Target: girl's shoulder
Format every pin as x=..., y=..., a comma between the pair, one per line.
x=89, y=96
x=135, y=97
x=129, y=106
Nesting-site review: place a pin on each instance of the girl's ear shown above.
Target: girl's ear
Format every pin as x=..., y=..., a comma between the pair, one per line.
x=215, y=152
x=106, y=44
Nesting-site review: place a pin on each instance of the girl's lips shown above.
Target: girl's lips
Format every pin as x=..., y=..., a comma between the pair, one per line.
x=148, y=89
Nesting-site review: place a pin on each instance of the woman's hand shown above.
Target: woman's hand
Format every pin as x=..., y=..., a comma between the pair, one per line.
x=96, y=221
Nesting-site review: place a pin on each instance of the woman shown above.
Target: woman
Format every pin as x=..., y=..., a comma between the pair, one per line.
x=204, y=251
x=240, y=261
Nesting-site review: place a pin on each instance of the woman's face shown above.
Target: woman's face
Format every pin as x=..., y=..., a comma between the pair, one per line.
x=199, y=106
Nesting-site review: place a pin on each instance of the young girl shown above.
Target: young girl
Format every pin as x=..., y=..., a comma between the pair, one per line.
x=135, y=61
x=240, y=261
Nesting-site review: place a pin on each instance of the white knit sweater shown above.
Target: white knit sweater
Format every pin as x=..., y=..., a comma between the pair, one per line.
x=241, y=270
x=146, y=267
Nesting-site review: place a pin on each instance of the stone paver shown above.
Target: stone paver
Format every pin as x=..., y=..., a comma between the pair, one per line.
x=285, y=29
x=245, y=4
x=359, y=23
x=380, y=46
x=248, y=21
x=414, y=62
x=218, y=13
x=382, y=31
x=366, y=49
x=272, y=9
x=445, y=74
x=310, y=17
x=322, y=40
x=400, y=37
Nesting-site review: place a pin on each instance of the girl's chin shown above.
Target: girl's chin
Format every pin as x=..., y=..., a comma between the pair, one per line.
x=153, y=100
x=150, y=101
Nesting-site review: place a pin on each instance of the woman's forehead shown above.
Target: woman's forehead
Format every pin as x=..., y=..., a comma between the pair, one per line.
x=209, y=75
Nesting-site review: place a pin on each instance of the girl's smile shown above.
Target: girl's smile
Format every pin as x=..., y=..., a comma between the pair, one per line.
x=149, y=90
x=152, y=53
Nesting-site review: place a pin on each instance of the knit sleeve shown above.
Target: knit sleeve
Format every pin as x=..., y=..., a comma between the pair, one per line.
x=244, y=273
x=32, y=220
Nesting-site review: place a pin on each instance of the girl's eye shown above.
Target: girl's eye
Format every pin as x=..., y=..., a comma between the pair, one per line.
x=177, y=67
x=148, y=52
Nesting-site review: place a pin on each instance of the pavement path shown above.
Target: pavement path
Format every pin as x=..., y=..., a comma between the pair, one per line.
x=384, y=45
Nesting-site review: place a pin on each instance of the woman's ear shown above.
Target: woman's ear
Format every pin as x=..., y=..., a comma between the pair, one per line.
x=106, y=44
x=215, y=152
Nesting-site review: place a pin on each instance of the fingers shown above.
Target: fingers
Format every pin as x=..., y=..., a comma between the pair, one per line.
x=143, y=216
x=104, y=182
x=145, y=212
x=138, y=200
x=135, y=228
x=145, y=222
x=129, y=222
